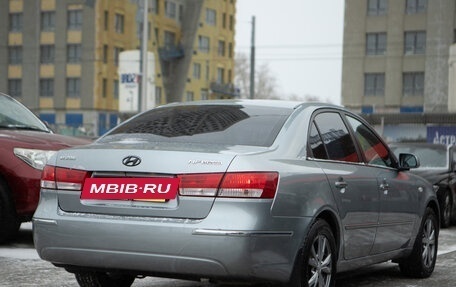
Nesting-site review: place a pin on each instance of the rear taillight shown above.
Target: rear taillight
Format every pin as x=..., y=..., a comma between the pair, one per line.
x=235, y=185
x=63, y=178
x=205, y=184
x=253, y=185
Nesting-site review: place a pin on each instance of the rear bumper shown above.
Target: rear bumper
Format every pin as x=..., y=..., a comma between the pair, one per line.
x=243, y=245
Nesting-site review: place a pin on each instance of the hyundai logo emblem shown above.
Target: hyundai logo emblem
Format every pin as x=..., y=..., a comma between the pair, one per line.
x=131, y=160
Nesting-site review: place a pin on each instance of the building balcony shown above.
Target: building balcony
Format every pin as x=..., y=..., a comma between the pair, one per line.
x=225, y=89
x=171, y=52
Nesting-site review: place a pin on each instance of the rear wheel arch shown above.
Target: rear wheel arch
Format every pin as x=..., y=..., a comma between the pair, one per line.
x=331, y=218
x=434, y=205
x=324, y=227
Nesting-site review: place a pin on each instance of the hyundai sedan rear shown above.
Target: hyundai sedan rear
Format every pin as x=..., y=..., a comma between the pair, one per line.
x=264, y=191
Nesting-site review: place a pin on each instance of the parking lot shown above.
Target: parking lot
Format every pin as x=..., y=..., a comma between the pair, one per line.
x=21, y=266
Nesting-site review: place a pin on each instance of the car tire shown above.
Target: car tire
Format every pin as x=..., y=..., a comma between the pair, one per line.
x=316, y=261
x=103, y=279
x=421, y=262
x=446, y=208
x=9, y=222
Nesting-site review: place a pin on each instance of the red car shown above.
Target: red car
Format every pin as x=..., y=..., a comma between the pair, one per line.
x=25, y=145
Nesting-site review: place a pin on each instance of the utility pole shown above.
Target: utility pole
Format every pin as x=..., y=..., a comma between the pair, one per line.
x=252, y=61
x=142, y=93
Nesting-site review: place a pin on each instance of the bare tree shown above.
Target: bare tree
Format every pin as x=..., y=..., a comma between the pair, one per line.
x=265, y=82
x=305, y=98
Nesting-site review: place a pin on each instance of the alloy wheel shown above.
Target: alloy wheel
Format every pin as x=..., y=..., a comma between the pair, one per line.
x=320, y=263
x=429, y=243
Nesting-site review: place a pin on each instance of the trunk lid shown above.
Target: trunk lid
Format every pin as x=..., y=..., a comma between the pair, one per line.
x=107, y=162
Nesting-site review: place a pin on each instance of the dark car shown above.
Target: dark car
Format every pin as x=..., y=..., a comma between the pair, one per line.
x=26, y=143
x=268, y=191
x=437, y=165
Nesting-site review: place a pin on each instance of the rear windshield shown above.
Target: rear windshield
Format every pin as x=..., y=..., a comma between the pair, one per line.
x=206, y=124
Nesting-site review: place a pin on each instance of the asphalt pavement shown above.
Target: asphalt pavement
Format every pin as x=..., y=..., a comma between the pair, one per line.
x=20, y=266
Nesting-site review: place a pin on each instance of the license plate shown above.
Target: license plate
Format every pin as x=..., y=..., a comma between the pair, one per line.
x=156, y=189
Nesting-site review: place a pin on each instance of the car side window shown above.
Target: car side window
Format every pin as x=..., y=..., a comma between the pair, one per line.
x=316, y=144
x=453, y=162
x=336, y=138
x=375, y=152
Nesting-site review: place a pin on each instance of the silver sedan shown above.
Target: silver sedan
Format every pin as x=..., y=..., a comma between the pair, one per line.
x=264, y=191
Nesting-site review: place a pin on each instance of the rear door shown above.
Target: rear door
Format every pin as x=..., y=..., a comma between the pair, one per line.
x=353, y=184
x=399, y=193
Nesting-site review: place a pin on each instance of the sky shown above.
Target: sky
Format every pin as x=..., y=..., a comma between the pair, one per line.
x=301, y=42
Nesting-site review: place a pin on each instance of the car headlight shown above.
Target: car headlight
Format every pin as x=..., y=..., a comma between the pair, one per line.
x=34, y=157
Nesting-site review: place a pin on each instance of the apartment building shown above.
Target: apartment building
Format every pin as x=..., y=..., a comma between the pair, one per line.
x=395, y=55
x=61, y=57
x=399, y=67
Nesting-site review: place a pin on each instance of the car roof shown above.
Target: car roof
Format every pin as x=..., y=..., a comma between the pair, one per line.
x=257, y=102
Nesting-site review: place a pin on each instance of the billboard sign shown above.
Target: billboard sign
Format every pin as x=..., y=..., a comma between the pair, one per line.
x=441, y=134
x=130, y=78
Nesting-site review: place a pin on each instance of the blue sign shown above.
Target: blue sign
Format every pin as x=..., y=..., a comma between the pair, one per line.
x=441, y=134
x=129, y=78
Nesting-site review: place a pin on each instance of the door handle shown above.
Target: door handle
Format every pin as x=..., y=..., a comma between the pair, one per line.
x=384, y=186
x=341, y=185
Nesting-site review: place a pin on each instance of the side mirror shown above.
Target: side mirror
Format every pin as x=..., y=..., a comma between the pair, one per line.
x=408, y=161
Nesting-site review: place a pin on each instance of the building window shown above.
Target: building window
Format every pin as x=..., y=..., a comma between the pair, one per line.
x=203, y=44
x=196, y=71
x=46, y=87
x=15, y=55
x=170, y=9
x=75, y=20
x=117, y=52
x=231, y=22
x=155, y=6
x=224, y=20
x=221, y=48
x=15, y=22
x=73, y=87
x=230, y=50
x=74, y=53
x=15, y=87
x=374, y=84
x=119, y=23
x=207, y=71
x=415, y=42
x=115, y=88
x=415, y=6
x=376, y=7
x=105, y=54
x=181, y=13
x=47, y=54
x=48, y=21
x=170, y=39
x=413, y=84
x=104, y=88
x=211, y=17
x=190, y=96
x=220, y=75
x=106, y=20
x=375, y=43
x=204, y=95
x=158, y=96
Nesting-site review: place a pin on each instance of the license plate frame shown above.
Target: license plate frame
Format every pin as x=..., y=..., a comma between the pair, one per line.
x=156, y=189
